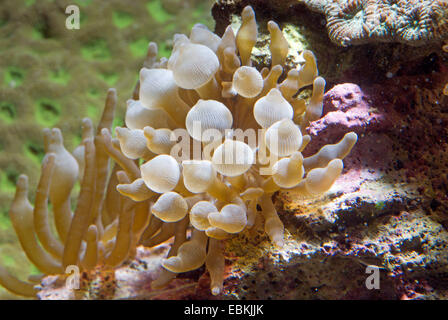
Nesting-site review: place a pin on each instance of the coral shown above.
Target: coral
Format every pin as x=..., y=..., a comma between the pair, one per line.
x=354, y=22
x=231, y=146
x=305, y=29
x=359, y=21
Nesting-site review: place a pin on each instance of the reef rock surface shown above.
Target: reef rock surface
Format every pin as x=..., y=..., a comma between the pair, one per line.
x=379, y=214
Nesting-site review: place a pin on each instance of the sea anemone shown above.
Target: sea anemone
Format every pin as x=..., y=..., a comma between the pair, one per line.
x=208, y=141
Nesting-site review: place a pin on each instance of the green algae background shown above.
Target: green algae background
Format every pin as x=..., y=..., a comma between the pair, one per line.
x=53, y=77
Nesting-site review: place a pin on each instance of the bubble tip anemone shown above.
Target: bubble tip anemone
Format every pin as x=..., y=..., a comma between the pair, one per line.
x=170, y=176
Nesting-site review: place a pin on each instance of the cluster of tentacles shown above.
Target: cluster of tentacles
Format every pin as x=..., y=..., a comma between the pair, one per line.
x=208, y=141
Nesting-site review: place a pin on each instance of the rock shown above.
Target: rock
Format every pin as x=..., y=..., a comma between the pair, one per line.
x=350, y=22
x=347, y=108
x=409, y=250
x=130, y=281
x=305, y=25
x=377, y=214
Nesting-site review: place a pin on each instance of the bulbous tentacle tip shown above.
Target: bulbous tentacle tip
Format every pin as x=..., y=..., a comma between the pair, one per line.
x=216, y=291
x=105, y=133
x=319, y=84
x=307, y=54
x=247, y=13
x=352, y=137
x=271, y=25
x=170, y=263
x=143, y=74
x=22, y=183
x=149, y=132
x=121, y=132
x=152, y=48
x=49, y=159
x=56, y=137
x=46, y=131
x=86, y=122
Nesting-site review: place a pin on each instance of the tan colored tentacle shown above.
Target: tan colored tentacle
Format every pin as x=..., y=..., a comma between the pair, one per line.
x=141, y=221
x=112, y=200
x=246, y=36
x=16, y=286
x=153, y=227
x=41, y=223
x=273, y=226
x=127, y=164
x=166, y=232
x=81, y=218
x=215, y=264
x=101, y=156
x=90, y=259
x=123, y=239
x=21, y=214
x=180, y=236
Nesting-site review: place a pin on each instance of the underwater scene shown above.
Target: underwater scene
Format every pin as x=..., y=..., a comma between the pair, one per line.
x=224, y=150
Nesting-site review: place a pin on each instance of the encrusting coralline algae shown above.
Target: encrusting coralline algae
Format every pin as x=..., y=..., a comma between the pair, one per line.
x=208, y=140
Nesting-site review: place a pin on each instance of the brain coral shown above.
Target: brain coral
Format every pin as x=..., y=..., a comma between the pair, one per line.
x=360, y=21
x=208, y=139
x=353, y=22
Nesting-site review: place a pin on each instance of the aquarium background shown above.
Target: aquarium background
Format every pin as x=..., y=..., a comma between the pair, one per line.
x=53, y=77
